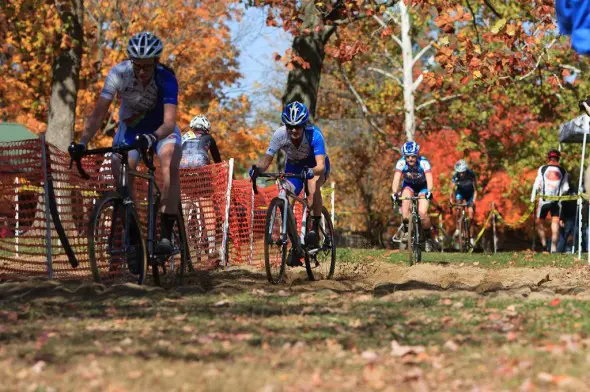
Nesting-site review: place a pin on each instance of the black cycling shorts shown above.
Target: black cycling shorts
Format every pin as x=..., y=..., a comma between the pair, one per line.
x=552, y=207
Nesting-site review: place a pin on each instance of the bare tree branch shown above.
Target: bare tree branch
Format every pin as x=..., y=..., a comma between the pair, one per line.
x=421, y=53
x=388, y=74
x=432, y=101
x=538, y=61
x=491, y=7
x=571, y=68
x=417, y=82
x=474, y=22
x=360, y=101
x=384, y=25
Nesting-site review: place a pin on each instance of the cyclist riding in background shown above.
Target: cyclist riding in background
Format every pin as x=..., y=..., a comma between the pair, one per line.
x=197, y=143
x=464, y=190
x=417, y=180
x=304, y=146
x=148, y=93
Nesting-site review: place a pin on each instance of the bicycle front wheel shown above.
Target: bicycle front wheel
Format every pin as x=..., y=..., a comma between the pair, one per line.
x=116, y=254
x=321, y=264
x=276, y=242
x=415, y=249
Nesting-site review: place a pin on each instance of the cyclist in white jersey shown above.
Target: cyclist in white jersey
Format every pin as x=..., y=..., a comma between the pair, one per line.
x=148, y=93
x=198, y=143
x=415, y=174
x=551, y=180
x=304, y=146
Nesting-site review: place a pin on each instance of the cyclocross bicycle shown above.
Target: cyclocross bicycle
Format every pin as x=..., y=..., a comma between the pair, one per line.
x=463, y=222
x=415, y=231
x=281, y=231
x=116, y=247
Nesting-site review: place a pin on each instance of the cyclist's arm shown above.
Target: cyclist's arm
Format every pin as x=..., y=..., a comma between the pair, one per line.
x=320, y=165
x=95, y=119
x=395, y=183
x=536, y=186
x=474, y=191
x=429, y=181
x=453, y=190
x=264, y=162
x=169, y=123
x=214, y=151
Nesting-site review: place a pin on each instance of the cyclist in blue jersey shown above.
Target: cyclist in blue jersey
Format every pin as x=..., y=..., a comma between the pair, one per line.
x=304, y=146
x=464, y=190
x=148, y=92
x=416, y=172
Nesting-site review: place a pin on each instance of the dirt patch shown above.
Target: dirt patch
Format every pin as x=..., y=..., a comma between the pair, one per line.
x=379, y=279
x=388, y=278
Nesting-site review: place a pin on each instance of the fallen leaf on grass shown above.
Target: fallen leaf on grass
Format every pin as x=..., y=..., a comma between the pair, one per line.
x=135, y=374
x=555, y=302
x=511, y=336
x=451, y=346
x=223, y=302
x=398, y=350
x=38, y=367
x=10, y=316
x=180, y=317
x=370, y=356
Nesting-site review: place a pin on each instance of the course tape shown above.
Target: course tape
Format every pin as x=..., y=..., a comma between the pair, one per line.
x=527, y=215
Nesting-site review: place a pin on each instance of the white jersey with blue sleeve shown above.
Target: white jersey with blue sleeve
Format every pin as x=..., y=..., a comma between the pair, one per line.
x=413, y=175
x=142, y=107
x=312, y=144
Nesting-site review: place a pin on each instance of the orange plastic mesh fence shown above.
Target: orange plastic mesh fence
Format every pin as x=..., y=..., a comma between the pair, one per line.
x=22, y=211
x=23, y=245
x=240, y=222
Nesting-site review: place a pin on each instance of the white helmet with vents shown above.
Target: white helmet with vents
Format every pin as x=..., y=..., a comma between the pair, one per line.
x=200, y=122
x=144, y=45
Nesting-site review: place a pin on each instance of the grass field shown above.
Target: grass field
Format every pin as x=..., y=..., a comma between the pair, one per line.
x=230, y=330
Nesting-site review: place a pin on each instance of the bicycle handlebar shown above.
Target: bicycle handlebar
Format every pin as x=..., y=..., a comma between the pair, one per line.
x=277, y=175
x=123, y=149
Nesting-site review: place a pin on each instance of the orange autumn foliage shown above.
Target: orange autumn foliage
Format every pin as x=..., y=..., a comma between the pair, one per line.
x=197, y=45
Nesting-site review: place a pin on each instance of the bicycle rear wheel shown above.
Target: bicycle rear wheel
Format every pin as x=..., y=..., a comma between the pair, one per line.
x=116, y=255
x=276, y=242
x=170, y=269
x=321, y=264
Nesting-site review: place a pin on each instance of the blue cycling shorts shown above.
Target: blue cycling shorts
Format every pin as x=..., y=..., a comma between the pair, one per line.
x=415, y=188
x=297, y=169
x=468, y=199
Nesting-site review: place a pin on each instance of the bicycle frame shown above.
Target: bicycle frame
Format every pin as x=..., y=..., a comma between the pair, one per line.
x=285, y=195
x=123, y=185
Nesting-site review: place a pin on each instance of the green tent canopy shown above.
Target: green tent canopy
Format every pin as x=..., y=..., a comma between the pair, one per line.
x=12, y=132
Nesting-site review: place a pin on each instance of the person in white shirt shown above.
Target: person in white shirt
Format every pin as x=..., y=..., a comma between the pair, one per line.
x=552, y=180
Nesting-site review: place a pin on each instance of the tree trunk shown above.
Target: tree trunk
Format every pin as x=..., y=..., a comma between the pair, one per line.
x=408, y=81
x=303, y=84
x=66, y=73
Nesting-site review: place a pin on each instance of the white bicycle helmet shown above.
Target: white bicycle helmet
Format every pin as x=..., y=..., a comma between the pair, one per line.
x=461, y=166
x=144, y=45
x=200, y=122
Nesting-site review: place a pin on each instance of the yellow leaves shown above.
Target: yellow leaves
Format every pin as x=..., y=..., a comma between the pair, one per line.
x=500, y=23
x=511, y=29
x=477, y=74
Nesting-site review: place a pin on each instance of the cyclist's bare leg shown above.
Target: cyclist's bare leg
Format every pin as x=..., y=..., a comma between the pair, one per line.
x=541, y=232
x=423, y=211
x=406, y=192
x=170, y=155
x=116, y=167
x=554, y=233
x=315, y=195
x=470, y=215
